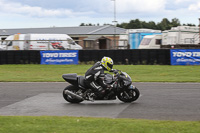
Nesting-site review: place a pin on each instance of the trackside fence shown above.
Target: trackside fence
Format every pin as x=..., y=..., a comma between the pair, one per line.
x=135, y=56
x=20, y=57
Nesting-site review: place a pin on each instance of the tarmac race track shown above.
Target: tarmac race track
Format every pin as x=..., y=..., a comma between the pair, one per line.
x=158, y=101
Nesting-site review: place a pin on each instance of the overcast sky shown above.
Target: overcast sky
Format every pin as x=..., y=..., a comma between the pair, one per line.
x=64, y=13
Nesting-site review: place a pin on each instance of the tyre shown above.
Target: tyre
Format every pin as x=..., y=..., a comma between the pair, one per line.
x=129, y=95
x=69, y=98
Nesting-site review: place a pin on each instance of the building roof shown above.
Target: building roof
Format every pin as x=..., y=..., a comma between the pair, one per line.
x=94, y=38
x=79, y=30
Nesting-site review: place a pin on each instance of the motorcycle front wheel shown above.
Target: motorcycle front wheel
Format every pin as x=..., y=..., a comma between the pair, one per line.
x=69, y=98
x=129, y=95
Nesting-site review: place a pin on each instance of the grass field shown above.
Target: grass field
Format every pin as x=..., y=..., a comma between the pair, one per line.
x=44, y=124
x=139, y=73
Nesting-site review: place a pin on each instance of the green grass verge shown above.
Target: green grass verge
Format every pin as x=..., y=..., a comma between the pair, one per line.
x=139, y=73
x=52, y=124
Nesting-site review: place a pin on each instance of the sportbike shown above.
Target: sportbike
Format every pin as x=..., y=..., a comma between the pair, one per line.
x=120, y=82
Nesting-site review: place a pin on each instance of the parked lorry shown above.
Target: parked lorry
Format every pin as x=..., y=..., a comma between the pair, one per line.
x=40, y=42
x=177, y=37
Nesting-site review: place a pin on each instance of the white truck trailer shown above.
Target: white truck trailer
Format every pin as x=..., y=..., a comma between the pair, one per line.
x=40, y=42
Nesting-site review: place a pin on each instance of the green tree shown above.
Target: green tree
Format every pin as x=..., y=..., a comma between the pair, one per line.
x=122, y=25
x=189, y=24
x=152, y=25
x=82, y=24
x=164, y=24
x=175, y=22
x=134, y=24
x=144, y=24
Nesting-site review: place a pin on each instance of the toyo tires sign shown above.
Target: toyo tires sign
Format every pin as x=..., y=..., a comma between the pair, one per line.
x=59, y=57
x=185, y=56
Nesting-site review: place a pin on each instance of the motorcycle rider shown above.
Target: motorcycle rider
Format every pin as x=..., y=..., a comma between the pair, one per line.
x=93, y=74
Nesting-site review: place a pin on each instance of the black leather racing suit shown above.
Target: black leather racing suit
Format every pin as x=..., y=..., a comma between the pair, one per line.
x=92, y=79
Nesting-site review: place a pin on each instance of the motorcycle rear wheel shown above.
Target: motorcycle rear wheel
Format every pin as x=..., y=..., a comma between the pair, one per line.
x=70, y=98
x=129, y=95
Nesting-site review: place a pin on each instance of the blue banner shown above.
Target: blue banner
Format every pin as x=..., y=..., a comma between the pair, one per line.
x=59, y=57
x=185, y=56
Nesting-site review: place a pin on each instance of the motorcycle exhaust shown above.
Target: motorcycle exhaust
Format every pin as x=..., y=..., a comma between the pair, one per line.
x=73, y=95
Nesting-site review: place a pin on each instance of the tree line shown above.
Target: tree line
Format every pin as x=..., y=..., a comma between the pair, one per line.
x=165, y=24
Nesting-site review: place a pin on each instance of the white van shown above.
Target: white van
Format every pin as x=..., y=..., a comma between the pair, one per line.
x=13, y=42
x=40, y=42
x=151, y=42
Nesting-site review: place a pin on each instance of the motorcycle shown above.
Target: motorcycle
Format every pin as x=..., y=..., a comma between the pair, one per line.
x=120, y=82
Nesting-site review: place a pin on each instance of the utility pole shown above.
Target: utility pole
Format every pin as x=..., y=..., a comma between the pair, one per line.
x=199, y=30
x=114, y=23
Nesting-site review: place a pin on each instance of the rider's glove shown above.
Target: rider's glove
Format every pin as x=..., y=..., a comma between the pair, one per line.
x=114, y=71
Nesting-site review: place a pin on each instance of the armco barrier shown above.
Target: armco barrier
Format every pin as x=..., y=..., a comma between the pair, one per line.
x=136, y=56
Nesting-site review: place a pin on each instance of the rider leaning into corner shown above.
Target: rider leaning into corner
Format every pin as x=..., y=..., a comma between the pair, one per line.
x=94, y=76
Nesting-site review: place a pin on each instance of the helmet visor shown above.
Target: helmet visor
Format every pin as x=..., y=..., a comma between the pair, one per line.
x=110, y=65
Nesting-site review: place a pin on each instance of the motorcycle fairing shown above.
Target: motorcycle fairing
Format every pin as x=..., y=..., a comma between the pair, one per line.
x=81, y=82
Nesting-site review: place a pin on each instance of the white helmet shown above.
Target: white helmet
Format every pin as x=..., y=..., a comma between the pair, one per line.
x=107, y=63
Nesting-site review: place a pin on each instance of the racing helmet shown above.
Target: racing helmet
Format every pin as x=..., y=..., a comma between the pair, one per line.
x=107, y=63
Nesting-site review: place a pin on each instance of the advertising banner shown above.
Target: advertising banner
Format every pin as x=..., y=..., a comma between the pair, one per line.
x=61, y=57
x=185, y=56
